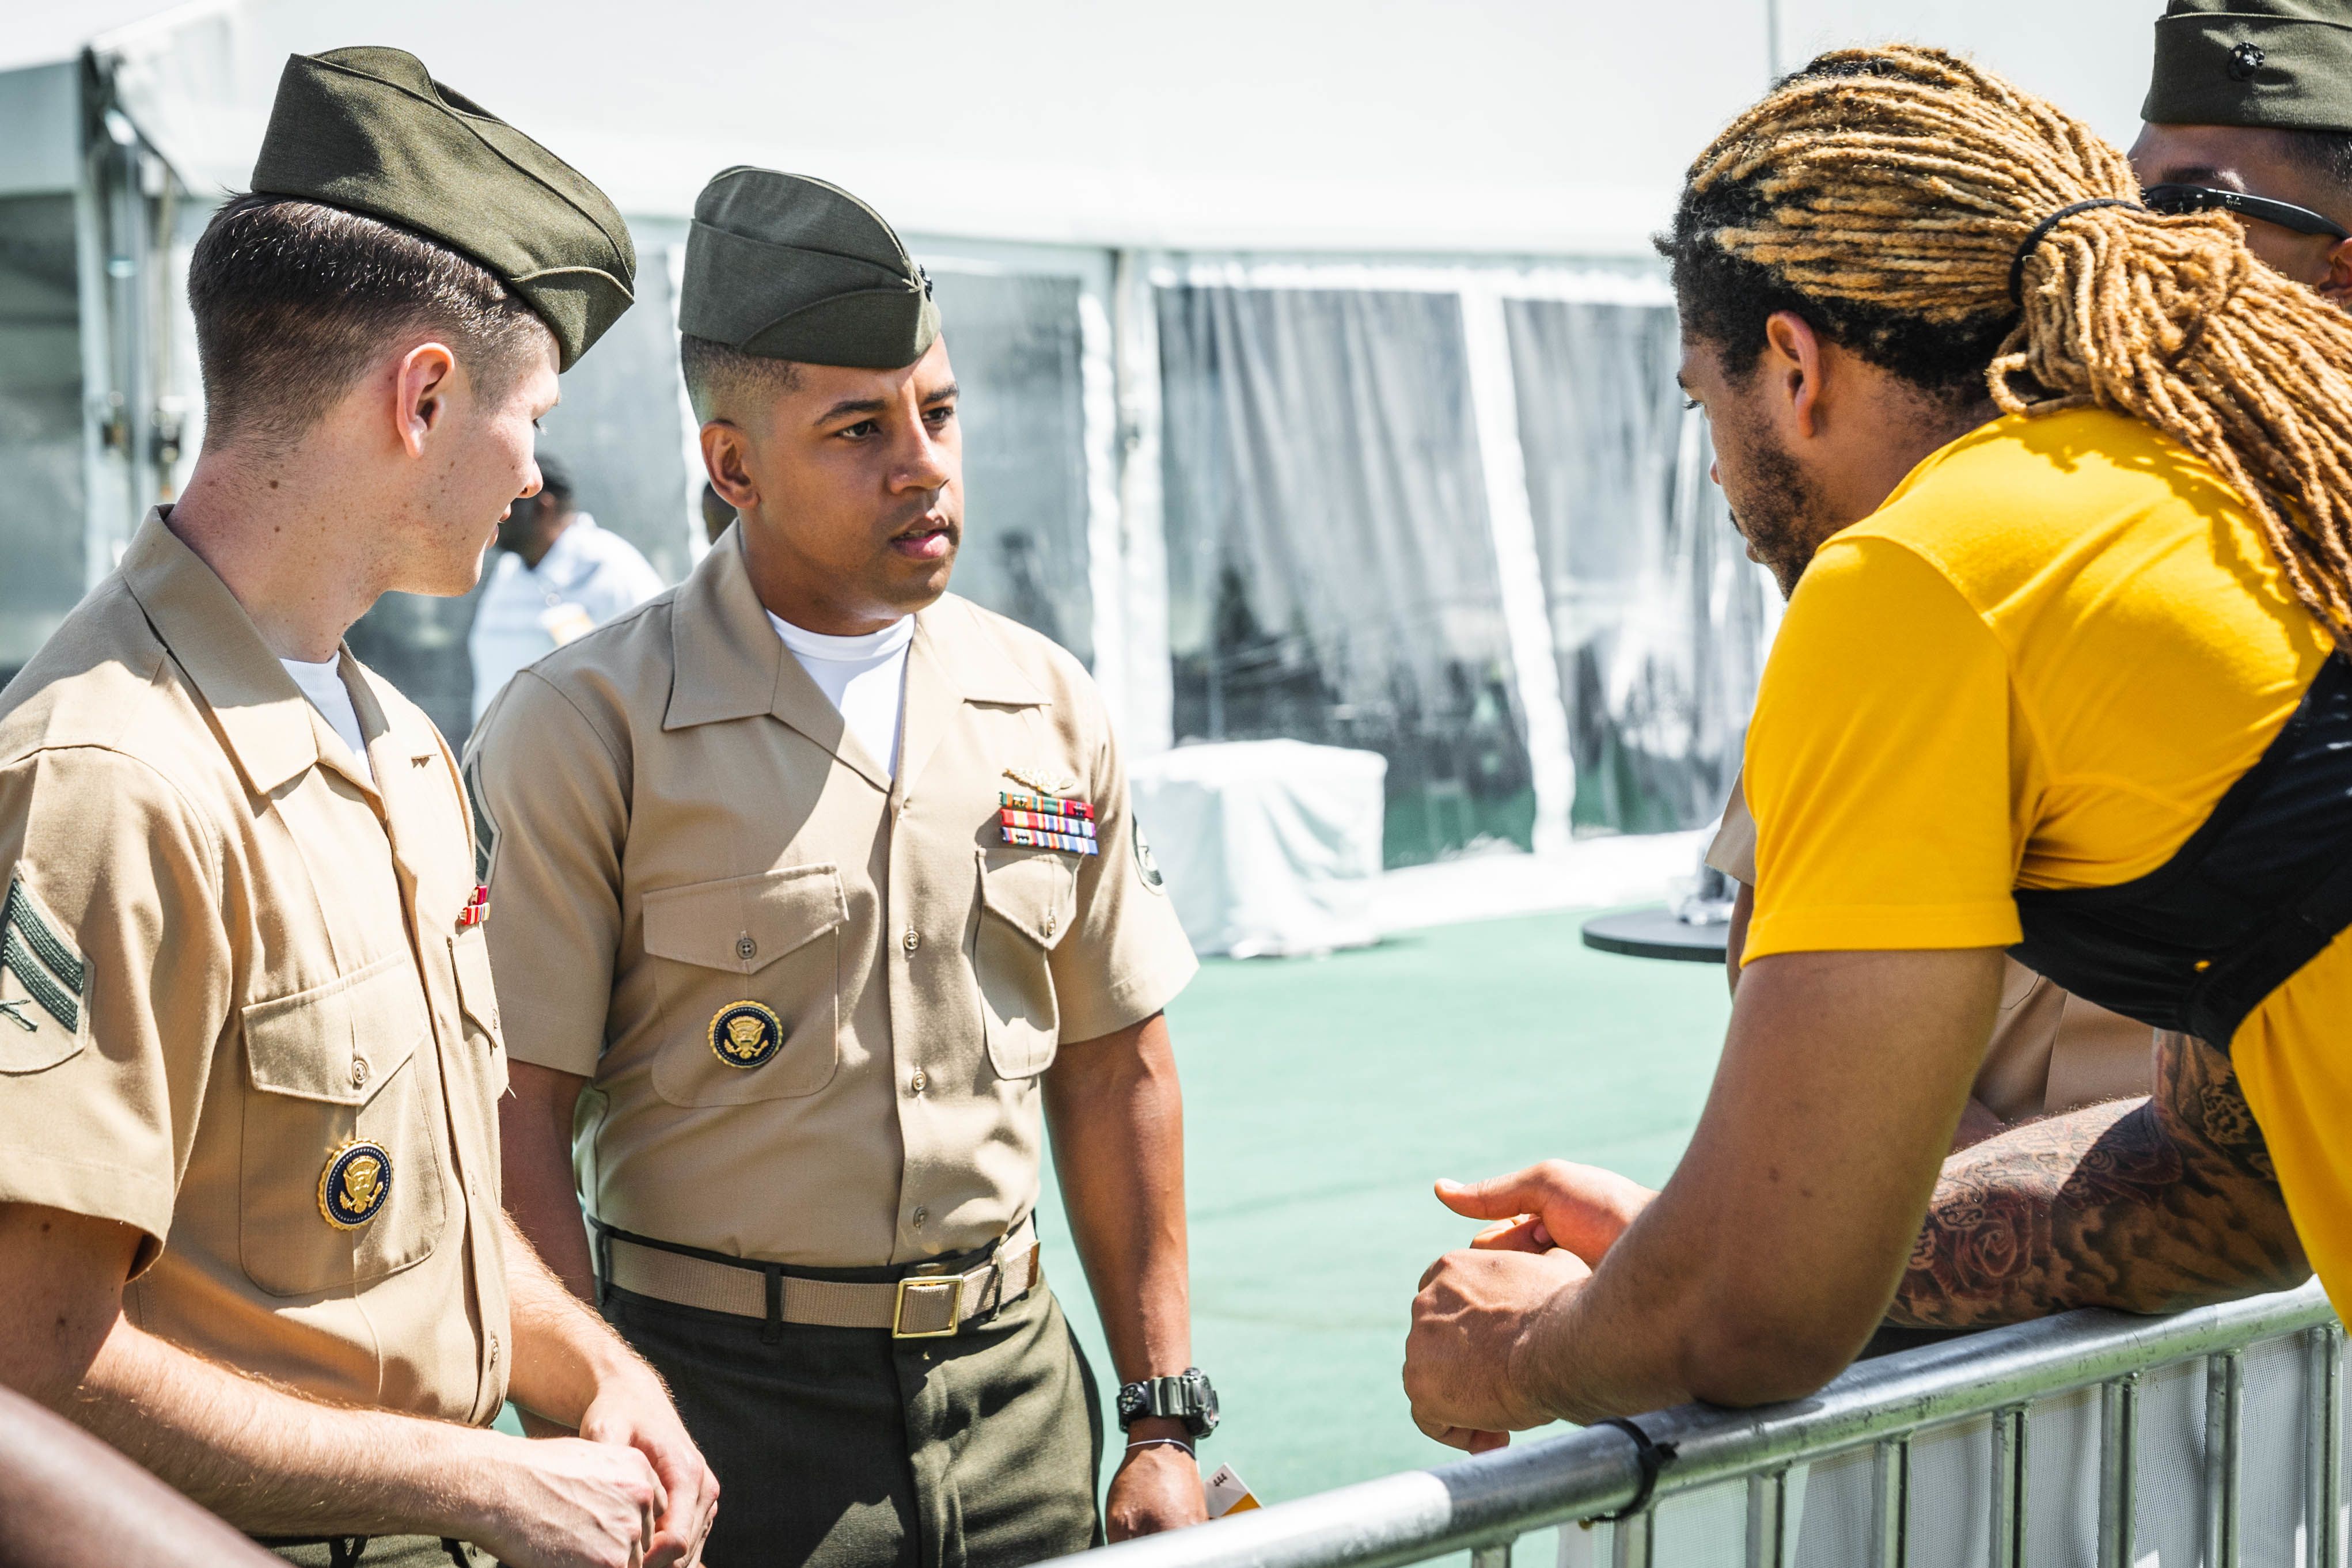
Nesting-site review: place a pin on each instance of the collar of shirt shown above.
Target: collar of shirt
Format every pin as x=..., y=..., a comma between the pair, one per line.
x=271, y=729
x=731, y=664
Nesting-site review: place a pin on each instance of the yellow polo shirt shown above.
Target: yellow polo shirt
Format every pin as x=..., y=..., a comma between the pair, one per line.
x=2039, y=665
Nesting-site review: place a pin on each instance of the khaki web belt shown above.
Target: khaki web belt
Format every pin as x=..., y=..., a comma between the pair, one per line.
x=928, y=1303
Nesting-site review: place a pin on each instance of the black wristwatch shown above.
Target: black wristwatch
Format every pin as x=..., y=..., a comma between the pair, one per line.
x=1188, y=1398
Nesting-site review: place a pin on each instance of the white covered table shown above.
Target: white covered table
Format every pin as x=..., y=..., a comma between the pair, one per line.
x=1269, y=847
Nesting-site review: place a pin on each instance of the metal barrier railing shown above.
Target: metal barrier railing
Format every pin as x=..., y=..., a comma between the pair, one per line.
x=1884, y=1407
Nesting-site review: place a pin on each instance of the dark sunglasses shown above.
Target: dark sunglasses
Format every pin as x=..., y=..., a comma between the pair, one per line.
x=2174, y=199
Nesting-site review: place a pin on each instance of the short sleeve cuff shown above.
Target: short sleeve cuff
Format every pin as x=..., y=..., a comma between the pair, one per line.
x=1129, y=999
x=1884, y=929
x=141, y=1199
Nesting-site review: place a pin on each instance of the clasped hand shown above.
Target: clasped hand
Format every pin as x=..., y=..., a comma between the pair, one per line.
x=1475, y=1365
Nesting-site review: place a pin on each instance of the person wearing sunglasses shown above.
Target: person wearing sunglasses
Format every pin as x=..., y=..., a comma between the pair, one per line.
x=2248, y=111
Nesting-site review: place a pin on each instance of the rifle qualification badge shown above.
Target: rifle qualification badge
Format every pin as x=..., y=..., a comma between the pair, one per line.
x=746, y=1034
x=355, y=1185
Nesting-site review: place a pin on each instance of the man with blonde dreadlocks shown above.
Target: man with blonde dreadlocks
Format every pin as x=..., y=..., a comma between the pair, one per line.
x=2068, y=486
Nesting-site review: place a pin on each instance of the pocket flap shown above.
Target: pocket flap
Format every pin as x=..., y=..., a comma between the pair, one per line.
x=476, y=989
x=745, y=923
x=338, y=1042
x=1032, y=893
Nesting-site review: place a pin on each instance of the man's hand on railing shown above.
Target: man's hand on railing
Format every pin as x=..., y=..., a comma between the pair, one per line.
x=1476, y=1313
x=1556, y=1204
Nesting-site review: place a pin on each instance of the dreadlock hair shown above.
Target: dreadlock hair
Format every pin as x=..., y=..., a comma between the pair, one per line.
x=1882, y=195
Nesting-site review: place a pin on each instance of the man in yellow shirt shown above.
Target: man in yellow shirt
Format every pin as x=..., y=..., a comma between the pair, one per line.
x=2065, y=483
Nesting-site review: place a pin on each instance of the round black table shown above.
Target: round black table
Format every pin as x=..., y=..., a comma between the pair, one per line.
x=1655, y=933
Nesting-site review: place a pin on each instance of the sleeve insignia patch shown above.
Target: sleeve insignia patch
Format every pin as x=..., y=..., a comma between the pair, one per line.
x=51, y=971
x=1146, y=864
x=355, y=1185
x=485, y=827
x=746, y=1034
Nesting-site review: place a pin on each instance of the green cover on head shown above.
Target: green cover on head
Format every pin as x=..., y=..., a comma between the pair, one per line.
x=2281, y=64
x=788, y=267
x=368, y=130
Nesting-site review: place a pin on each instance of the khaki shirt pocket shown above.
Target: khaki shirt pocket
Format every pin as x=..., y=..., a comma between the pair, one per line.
x=478, y=998
x=1025, y=904
x=748, y=984
x=341, y=1179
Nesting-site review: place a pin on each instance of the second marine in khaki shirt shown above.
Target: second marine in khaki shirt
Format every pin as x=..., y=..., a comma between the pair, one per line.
x=814, y=999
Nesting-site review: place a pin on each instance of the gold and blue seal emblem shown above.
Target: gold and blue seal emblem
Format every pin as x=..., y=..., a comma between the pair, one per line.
x=746, y=1034
x=356, y=1183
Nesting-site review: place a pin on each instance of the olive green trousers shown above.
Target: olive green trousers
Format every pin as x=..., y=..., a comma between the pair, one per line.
x=846, y=1448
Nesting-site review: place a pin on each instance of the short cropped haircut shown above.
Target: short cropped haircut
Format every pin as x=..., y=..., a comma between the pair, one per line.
x=720, y=380
x=294, y=300
x=2328, y=153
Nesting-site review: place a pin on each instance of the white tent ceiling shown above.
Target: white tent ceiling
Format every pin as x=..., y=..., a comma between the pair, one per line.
x=1540, y=126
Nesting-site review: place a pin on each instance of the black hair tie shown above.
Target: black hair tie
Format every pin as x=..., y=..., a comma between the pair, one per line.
x=2041, y=232
x=1652, y=1456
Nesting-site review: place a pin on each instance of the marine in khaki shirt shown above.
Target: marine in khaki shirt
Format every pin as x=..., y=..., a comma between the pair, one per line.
x=816, y=896
x=250, y=1220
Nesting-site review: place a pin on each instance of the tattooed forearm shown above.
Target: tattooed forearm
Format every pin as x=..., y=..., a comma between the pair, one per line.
x=2145, y=1205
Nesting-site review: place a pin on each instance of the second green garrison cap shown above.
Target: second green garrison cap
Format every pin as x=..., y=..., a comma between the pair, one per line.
x=369, y=130
x=788, y=267
x=2281, y=64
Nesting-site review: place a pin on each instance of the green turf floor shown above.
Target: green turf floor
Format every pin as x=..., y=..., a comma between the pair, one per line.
x=1323, y=1096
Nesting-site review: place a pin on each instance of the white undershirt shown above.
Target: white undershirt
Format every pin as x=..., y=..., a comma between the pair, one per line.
x=323, y=685
x=862, y=677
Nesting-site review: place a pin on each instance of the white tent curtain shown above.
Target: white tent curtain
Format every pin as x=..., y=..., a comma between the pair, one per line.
x=1659, y=620
x=1330, y=574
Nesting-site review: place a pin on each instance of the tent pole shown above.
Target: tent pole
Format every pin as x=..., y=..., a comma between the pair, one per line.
x=1148, y=716
x=1510, y=521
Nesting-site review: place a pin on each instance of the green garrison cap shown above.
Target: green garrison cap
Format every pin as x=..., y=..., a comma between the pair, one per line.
x=370, y=131
x=2283, y=64
x=788, y=267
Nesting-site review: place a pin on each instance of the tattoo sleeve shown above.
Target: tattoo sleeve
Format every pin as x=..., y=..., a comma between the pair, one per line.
x=2150, y=1206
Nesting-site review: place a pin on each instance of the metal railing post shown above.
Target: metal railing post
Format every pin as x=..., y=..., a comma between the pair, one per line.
x=1636, y=1537
x=1767, y=1520
x=2323, y=1480
x=2118, y=1470
x=1495, y=1555
x=2008, y=1532
x=2225, y=1386
x=1890, y=1504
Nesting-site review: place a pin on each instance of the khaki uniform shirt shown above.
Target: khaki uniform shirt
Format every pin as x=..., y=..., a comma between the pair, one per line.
x=238, y=1011
x=2051, y=1050
x=684, y=835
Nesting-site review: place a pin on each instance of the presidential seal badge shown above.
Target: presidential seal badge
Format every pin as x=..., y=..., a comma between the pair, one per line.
x=746, y=1034
x=357, y=1181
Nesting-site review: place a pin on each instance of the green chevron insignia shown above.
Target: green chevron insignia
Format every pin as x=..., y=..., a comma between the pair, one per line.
x=53, y=975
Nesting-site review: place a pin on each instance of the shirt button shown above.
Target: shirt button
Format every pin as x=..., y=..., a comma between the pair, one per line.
x=745, y=948
x=359, y=1071
x=921, y=1082
x=920, y=1216
x=913, y=939
x=1052, y=920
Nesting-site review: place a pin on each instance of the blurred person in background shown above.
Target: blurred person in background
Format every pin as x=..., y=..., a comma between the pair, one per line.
x=557, y=575
x=2248, y=111
x=819, y=902
x=717, y=517
x=2060, y=673
x=250, y=1226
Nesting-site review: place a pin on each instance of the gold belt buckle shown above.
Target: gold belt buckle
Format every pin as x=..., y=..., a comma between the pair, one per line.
x=923, y=1291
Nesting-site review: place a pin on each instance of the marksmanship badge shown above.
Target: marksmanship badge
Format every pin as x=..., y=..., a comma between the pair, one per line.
x=746, y=1034
x=357, y=1181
